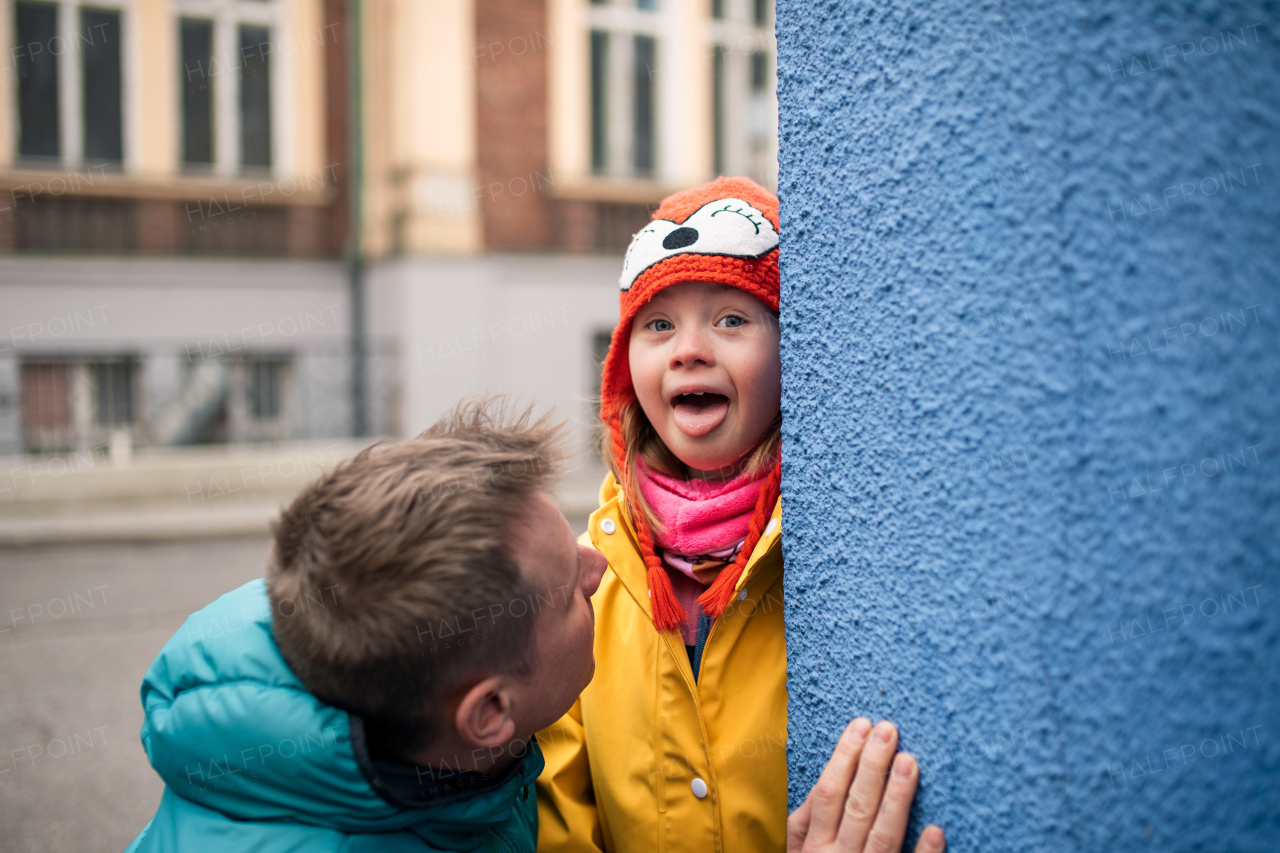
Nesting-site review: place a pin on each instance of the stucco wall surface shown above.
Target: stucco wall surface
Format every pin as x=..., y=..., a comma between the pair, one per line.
x=1031, y=396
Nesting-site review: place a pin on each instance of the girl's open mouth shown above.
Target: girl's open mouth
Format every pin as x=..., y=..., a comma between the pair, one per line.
x=699, y=414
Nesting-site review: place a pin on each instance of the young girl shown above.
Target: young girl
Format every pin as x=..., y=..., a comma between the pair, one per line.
x=686, y=717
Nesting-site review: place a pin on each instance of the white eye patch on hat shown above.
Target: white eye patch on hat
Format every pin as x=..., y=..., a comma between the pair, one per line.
x=726, y=226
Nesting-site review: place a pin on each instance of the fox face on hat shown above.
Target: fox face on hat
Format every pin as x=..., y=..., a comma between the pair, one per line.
x=723, y=232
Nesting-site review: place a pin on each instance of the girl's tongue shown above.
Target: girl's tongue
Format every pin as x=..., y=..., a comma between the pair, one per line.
x=699, y=414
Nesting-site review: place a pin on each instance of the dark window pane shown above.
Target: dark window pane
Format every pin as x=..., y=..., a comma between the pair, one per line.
x=99, y=43
x=717, y=109
x=600, y=340
x=113, y=392
x=36, y=25
x=599, y=102
x=196, y=85
x=759, y=70
x=761, y=13
x=645, y=51
x=717, y=8
x=255, y=96
x=646, y=4
x=266, y=381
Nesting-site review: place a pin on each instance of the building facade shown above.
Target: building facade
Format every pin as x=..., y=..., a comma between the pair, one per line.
x=172, y=222
x=183, y=192
x=513, y=148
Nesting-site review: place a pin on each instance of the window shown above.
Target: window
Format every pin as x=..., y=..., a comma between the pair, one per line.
x=626, y=51
x=266, y=389
x=36, y=27
x=260, y=402
x=759, y=68
x=228, y=80
x=717, y=9
x=642, y=126
x=69, y=402
x=599, y=100
x=255, y=96
x=600, y=340
x=743, y=99
x=112, y=383
x=196, y=41
x=56, y=44
x=717, y=109
x=761, y=93
x=46, y=397
x=103, y=136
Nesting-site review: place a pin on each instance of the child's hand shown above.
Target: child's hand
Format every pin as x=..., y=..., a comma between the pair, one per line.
x=851, y=810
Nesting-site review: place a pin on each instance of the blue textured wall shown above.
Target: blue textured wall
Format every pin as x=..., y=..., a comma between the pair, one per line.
x=1031, y=397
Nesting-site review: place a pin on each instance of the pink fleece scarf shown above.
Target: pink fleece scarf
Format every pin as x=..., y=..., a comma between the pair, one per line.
x=702, y=518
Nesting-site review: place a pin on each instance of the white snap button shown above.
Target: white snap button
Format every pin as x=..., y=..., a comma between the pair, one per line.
x=607, y=525
x=699, y=788
x=770, y=527
x=742, y=594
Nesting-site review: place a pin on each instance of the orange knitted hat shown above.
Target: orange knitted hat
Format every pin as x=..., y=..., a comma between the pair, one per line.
x=724, y=232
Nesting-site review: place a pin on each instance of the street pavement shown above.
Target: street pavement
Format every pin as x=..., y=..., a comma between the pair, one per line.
x=79, y=625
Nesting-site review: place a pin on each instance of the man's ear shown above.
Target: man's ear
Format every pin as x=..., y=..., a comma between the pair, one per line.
x=483, y=718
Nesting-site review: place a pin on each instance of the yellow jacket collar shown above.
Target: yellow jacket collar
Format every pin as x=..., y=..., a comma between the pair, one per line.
x=612, y=534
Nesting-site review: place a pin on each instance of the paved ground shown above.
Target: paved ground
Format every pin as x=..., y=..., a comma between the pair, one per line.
x=79, y=625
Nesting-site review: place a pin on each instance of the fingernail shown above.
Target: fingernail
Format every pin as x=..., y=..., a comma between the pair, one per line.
x=884, y=731
x=860, y=728
x=932, y=838
x=902, y=766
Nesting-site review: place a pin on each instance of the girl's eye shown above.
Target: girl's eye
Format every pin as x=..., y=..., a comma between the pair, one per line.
x=733, y=321
x=661, y=325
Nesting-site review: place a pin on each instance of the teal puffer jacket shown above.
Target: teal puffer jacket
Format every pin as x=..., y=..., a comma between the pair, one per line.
x=252, y=761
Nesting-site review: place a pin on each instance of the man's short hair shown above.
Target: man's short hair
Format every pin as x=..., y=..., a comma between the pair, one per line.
x=406, y=549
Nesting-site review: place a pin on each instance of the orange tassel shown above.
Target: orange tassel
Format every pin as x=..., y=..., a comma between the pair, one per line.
x=667, y=612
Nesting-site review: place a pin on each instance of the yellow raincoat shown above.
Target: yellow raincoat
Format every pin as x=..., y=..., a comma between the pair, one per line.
x=649, y=759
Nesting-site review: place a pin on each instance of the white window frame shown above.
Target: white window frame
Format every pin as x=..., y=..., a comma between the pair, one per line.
x=746, y=152
x=623, y=21
x=227, y=16
x=71, y=81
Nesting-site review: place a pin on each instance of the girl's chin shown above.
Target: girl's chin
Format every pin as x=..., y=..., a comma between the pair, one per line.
x=711, y=467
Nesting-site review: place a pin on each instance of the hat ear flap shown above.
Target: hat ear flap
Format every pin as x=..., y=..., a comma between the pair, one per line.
x=615, y=381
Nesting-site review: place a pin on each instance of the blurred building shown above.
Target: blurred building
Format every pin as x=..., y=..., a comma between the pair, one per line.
x=177, y=186
x=171, y=222
x=513, y=148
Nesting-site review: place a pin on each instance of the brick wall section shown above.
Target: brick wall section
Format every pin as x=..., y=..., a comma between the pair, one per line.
x=512, y=41
x=161, y=227
x=310, y=232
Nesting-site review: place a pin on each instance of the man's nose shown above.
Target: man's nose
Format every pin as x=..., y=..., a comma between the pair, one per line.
x=593, y=568
x=691, y=347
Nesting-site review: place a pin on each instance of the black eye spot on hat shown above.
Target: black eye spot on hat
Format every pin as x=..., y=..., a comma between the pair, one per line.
x=680, y=238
